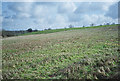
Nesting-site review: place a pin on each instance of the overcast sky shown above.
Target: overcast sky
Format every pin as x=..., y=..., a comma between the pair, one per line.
x=42, y=15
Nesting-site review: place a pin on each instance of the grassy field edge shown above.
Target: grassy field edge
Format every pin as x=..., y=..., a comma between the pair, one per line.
x=65, y=29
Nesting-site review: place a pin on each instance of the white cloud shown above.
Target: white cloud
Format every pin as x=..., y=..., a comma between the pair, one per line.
x=113, y=11
x=58, y=14
x=20, y=7
x=97, y=19
x=23, y=15
x=61, y=20
x=61, y=0
x=67, y=7
x=92, y=7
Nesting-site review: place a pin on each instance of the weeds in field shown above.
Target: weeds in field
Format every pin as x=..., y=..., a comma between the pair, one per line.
x=77, y=54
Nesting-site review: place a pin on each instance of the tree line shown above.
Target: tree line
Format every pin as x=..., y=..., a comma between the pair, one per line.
x=6, y=33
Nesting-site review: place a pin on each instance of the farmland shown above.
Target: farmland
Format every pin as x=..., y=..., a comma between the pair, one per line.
x=85, y=53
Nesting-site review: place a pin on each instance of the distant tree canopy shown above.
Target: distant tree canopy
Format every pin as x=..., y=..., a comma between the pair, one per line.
x=107, y=23
x=92, y=24
x=71, y=26
x=30, y=30
x=113, y=23
x=35, y=30
x=7, y=33
x=64, y=27
x=49, y=28
x=45, y=29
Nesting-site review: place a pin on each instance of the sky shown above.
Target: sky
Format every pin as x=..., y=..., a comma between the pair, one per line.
x=55, y=15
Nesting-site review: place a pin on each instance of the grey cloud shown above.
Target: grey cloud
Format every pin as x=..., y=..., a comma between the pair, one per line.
x=90, y=8
x=31, y=9
x=119, y=10
x=66, y=8
x=46, y=3
x=113, y=11
x=74, y=17
x=20, y=9
x=86, y=8
x=20, y=6
x=55, y=14
x=7, y=17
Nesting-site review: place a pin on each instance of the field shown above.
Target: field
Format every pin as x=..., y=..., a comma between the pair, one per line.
x=85, y=53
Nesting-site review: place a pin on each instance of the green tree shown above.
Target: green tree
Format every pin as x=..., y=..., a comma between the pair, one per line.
x=30, y=30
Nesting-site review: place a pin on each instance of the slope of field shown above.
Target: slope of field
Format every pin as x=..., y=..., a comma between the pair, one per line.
x=59, y=30
x=75, y=54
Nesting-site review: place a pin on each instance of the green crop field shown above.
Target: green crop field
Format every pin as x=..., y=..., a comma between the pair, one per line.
x=83, y=53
